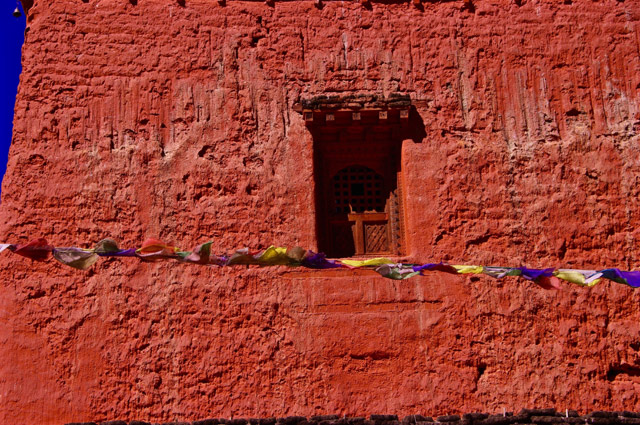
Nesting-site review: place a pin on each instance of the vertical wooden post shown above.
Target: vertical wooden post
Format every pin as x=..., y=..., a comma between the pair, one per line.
x=358, y=232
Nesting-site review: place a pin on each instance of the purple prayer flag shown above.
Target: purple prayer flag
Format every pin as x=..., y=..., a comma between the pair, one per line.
x=441, y=267
x=629, y=278
x=318, y=261
x=131, y=252
x=534, y=274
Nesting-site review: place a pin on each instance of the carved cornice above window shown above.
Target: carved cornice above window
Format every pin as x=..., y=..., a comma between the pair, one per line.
x=335, y=110
x=354, y=102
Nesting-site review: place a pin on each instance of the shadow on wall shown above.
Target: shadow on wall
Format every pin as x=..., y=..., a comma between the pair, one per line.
x=416, y=126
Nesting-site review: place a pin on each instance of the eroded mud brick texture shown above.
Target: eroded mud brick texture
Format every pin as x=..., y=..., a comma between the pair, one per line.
x=151, y=118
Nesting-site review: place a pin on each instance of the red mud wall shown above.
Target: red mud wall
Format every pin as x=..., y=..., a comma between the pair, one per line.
x=157, y=119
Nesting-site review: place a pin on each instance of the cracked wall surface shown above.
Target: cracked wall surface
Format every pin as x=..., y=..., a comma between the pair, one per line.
x=156, y=119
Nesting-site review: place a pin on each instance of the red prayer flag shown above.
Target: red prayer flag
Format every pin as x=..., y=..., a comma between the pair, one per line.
x=37, y=249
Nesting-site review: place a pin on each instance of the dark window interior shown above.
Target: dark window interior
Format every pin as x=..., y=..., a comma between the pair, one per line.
x=357, y=168
x=357, y=189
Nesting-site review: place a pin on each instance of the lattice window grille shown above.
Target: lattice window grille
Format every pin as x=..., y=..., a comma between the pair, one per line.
x=357, y=189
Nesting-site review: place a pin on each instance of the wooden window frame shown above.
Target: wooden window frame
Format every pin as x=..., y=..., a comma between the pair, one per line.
x=365, y=133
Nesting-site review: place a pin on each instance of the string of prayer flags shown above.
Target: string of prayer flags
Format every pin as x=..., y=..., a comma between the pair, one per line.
x=153, y=250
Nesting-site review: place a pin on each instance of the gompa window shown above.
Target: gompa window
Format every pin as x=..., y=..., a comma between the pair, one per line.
x=357, y=169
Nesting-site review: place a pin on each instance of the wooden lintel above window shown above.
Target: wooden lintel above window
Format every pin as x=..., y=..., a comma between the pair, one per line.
x=393, y=117
x=354, y=102
x=349, y=110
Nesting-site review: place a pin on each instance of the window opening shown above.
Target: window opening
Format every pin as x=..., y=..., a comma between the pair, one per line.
x=357, y=185
x=358, y=173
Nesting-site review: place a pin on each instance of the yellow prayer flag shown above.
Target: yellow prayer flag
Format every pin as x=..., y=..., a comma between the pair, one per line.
x=468, y=269
x=372, y=262
x=574, y=277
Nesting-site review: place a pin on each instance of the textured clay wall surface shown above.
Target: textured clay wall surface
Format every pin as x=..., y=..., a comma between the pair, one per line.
x=156, y=119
